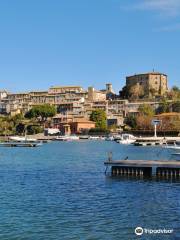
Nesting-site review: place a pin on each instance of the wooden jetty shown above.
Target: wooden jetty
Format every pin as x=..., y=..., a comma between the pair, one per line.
x=145, y=168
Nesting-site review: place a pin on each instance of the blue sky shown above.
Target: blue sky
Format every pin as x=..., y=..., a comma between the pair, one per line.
x=86, y=42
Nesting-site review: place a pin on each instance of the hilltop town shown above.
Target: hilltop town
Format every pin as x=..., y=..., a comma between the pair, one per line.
x=145, y=96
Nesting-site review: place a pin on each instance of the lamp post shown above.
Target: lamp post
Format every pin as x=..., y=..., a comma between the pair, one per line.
x=155, y=122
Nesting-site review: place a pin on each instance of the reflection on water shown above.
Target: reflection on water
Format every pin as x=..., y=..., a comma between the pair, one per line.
x=59, y=191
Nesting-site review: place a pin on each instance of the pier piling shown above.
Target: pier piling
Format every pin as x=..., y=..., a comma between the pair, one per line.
x=145, y=168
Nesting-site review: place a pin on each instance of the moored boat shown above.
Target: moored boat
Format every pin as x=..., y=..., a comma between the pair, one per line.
x=83, y=137
x=117, y=137
x=67, y=138
x=94, y=138
x=109, y=138
x=22, y=139
x=127, y=139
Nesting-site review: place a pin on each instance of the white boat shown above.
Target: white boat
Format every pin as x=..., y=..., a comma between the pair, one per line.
x=22, y=139
x=110, y=138
x=102, y=138
x=67, y=138
x=127, y=139
x=117, y=137
x=61, y=138
x=94, y=138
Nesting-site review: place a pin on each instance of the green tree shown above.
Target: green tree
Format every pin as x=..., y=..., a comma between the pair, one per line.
x=34, y=129
x=145, y=117
x=99, y=131
x=174, y=93
x=8, y=124
x=124, y=93
x=175, y=88
x=99, y=117
x=41, y=111
x=131, y=121
x=146, y=110
x=164, y=107
x=20, y=128
x=176, y=106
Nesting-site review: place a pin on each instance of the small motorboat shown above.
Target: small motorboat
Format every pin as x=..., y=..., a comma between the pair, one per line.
x=23, y=139
x=94, y=138
x=84, y=137
x=127, y=139
x=67, y=138
x=117, y=137
x=110, y=138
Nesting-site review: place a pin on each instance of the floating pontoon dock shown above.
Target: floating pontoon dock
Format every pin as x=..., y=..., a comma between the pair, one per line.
x=155, y=141
x=19, y=144
x=146, y=168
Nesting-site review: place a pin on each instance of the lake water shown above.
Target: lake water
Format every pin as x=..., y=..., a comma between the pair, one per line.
x=59, y=191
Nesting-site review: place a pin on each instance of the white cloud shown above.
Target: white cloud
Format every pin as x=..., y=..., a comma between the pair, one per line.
x=162, y=7
x=168, y=9
x=169, y=28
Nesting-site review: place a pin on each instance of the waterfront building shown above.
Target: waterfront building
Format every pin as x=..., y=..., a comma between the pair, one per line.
x=67, y=99
x=95, y=95
x=15, y=103
x=3, y=108
x=38, y=97
x=117, y=106
x=89, y=106
x=151, y=83
x=110, y=94
x=75, y=102
x=81, y=125
x=115, y=120
x=109, y=88
x=70, y=124
x=3, y=94
x=103, y=105
x=116, y=112
x=64, y=98
x=42, y=99
x=65, y=89
x=132, y=108
x=70, y=106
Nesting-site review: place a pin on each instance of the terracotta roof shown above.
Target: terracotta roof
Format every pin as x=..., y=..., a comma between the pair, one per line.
x=168, y=114
x=82, y=120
